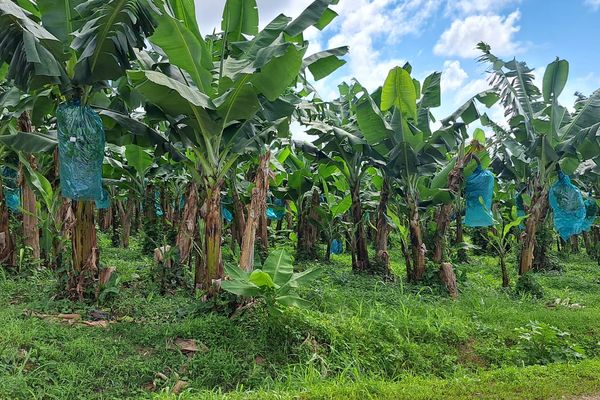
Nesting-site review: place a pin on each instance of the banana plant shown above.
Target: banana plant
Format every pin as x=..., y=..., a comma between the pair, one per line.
x=502, y=237
x=75, y=46
x=395, y=121
x=301, y=190
x=275, y=283
x=331, y=212
x=542, y=133
x=231, y=97
x=342, y=144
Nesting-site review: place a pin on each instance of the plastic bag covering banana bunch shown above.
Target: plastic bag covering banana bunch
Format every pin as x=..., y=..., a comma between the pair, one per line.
x=12, y=193
x=591, y=213
x=81, y=153
x=479, y=193
x=568, y=207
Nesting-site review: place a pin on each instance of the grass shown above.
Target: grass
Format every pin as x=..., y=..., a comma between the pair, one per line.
x=362, y=339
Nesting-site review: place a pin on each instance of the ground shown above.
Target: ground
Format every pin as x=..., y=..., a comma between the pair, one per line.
x=362, y=339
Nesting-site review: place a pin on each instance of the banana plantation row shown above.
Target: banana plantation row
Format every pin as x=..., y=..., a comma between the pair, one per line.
x=125, y=107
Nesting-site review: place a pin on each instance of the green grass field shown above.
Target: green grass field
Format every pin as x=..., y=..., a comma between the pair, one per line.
x=362, y=339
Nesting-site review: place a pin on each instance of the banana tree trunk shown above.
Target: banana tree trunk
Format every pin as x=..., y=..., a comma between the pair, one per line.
x=239, y=219
x=66, y=220
x=263, y=231
x=536, y=214
x=442, y=220
x=126, y=215
x=85, y=254
x=448, y=278
x=188, y=224
x=361, y=253
x=381, y=235
x=505, y=277
x=279, y=225
x=114, y=225
x=575, y=244
x=307, y=231
x=212, y=273
x=31, y=233
x=455, y=178
x=460, y=238
x=106, y=216
x=256, y=212
x=417, y=246
x=7, y=245
x=587, y=243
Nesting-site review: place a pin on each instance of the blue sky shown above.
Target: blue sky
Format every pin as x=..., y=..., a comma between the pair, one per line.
x=440, y=35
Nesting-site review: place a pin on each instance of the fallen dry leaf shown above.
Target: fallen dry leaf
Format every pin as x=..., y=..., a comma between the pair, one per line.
x=179, y=386
x=99, y=324
x=162, y=376
x=150, y=386
x=190, y=345
x=70, y=317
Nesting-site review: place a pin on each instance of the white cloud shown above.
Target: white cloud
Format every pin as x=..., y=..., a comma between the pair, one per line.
x=463, y=35
x=453, y=76
x=470, y=89
x=468, y=7
x=362, y=23
x=593, y=4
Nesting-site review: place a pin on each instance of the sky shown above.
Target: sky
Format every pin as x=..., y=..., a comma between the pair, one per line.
x=440, y=35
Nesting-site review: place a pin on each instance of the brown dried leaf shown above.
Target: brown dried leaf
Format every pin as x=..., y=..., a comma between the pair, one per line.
x=69, y=317
x=98, y=324
x=105, y=275
x=180, y=386
x=162, y=376
x=190, y=345
x=150, y=386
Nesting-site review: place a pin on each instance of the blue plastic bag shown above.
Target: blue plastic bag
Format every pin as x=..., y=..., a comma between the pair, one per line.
x=80, y=151
x=227, y=215
x=336, y=247
x=568, y=207
x=12, y=197
x=479, y=194
x=591, y=212
x=104, y=201
x=12, y=193
x=157, y=207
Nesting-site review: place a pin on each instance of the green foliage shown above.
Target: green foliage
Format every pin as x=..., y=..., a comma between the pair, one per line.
x=402, y=342
x=276, y=283
x=528, y=285
x=541, y=343
x=110, y=290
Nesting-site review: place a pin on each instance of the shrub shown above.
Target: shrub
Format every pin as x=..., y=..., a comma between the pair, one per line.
x=527, y=284
x=541, y=343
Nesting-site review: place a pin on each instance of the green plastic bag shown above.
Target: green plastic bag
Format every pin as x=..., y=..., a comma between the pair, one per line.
x=81, y=152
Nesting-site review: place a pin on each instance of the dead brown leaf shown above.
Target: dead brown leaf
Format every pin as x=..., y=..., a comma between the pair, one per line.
x=160, y=375
x=98, y=324
x=150, y=386
x=105, y=275
x=69, y=317
x=180, y=386
x=190, y=345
